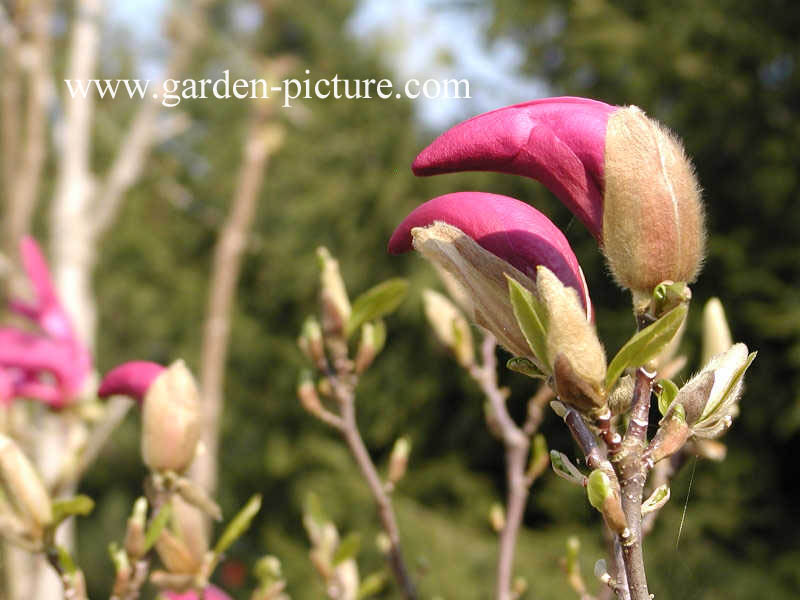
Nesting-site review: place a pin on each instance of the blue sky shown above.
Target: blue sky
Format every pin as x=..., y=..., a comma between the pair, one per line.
x=419, y=39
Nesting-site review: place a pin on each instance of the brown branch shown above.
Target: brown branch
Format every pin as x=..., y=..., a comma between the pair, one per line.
x=225, y=270
x=632, y=475
x=517, y=445
x=141, y=134
x=349, y=429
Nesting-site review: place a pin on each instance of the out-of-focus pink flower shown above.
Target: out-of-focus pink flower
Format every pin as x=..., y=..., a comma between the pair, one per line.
x=558, y=141
x=212, y=592
x=50, y=365
x=508, y=228
x=130, y=378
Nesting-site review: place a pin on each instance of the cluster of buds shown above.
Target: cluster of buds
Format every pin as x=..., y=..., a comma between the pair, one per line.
x=332, y=557
x=49, y=364
x=25, y=507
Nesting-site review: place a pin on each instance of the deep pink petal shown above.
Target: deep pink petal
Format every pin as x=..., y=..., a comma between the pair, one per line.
x=508, y=228
x=558, y=141
x=130, y=378
x=211, y=593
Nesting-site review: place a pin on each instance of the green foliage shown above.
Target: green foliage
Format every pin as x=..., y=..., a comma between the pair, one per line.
x=377, y=302
x=531, y=317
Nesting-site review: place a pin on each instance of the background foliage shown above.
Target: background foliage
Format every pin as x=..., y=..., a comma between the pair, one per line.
x=722, y=74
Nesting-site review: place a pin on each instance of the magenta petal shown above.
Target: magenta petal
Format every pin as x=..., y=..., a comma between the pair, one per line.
x=211, y=593
x=508, y=228
x=558, y=141
x=130, y=378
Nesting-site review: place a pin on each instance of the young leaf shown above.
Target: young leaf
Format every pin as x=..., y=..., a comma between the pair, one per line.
x=531, y=317
x=238, y=525
x=372, y=584
x=526, y=366
x=157, y=526
x=656, y=500
x=65, y=560
x=598, y=488
x=79, y=505
x=564, y=468
x=376, y=302
x=668, y=393
x=646, y=344
x=348, y=548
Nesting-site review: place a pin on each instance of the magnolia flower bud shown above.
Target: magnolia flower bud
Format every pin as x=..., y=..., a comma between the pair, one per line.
x=23, y=486
x=497, y=517
x=716, y=333
x=573, y=349
x=171, y=420
x=176, y=554
x=333, y=294
x=450, y=326
x=307, y=394
x=482, y=274
x=653, y=225
x=189, y=525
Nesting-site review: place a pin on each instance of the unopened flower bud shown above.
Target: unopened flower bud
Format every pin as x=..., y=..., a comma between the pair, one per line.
x=176, y=554
x=450, y=326
x=672, y=434
x=135, y=545
x=333, y=294
x=573, y=349
x=23, y=486
x=373, y=338
x=497, y=517
x=189, y=525
x=398, y=460
x=171, y=420
x=716, y=333
x=310, y=341
x=653, y=222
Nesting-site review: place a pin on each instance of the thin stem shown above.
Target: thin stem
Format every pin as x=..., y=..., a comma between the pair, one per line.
x=351, y=434
x=517, y=445
x=632, y=474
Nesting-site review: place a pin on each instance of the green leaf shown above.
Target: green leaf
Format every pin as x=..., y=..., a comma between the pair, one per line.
x=376, y=302
x=65, y=560
x=526, y=366
x=531, y=317
x=709, y=409
x=564, y=468
x=157, y=526
x=238, y=525
x=657, y=499
x=79, y=505
x=348, y=548
x=372, y=584
x=667, y=394
x=645, y=344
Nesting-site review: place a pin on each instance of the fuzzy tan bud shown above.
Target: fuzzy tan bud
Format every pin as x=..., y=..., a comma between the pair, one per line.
x=176, y=554
x=450, y=326
x=135, y=545
x=569, y=333
x=653, y=221
x=482, y=275
x=171, y=420
x=333, y=294
x=189, y=525
x=716, y=333
x=23, y=486
x=373, y=338
x=310, y=341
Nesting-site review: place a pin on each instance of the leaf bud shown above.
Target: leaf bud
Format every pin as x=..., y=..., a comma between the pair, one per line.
x=333, y=294
x=604, y=496
x=497, y=517
x=398, y=460
x=135, y=545
x=373, y=338
x=171, y=420
x=716, y=333
x=653, y=219
x=23, y=487
x=310, y=341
